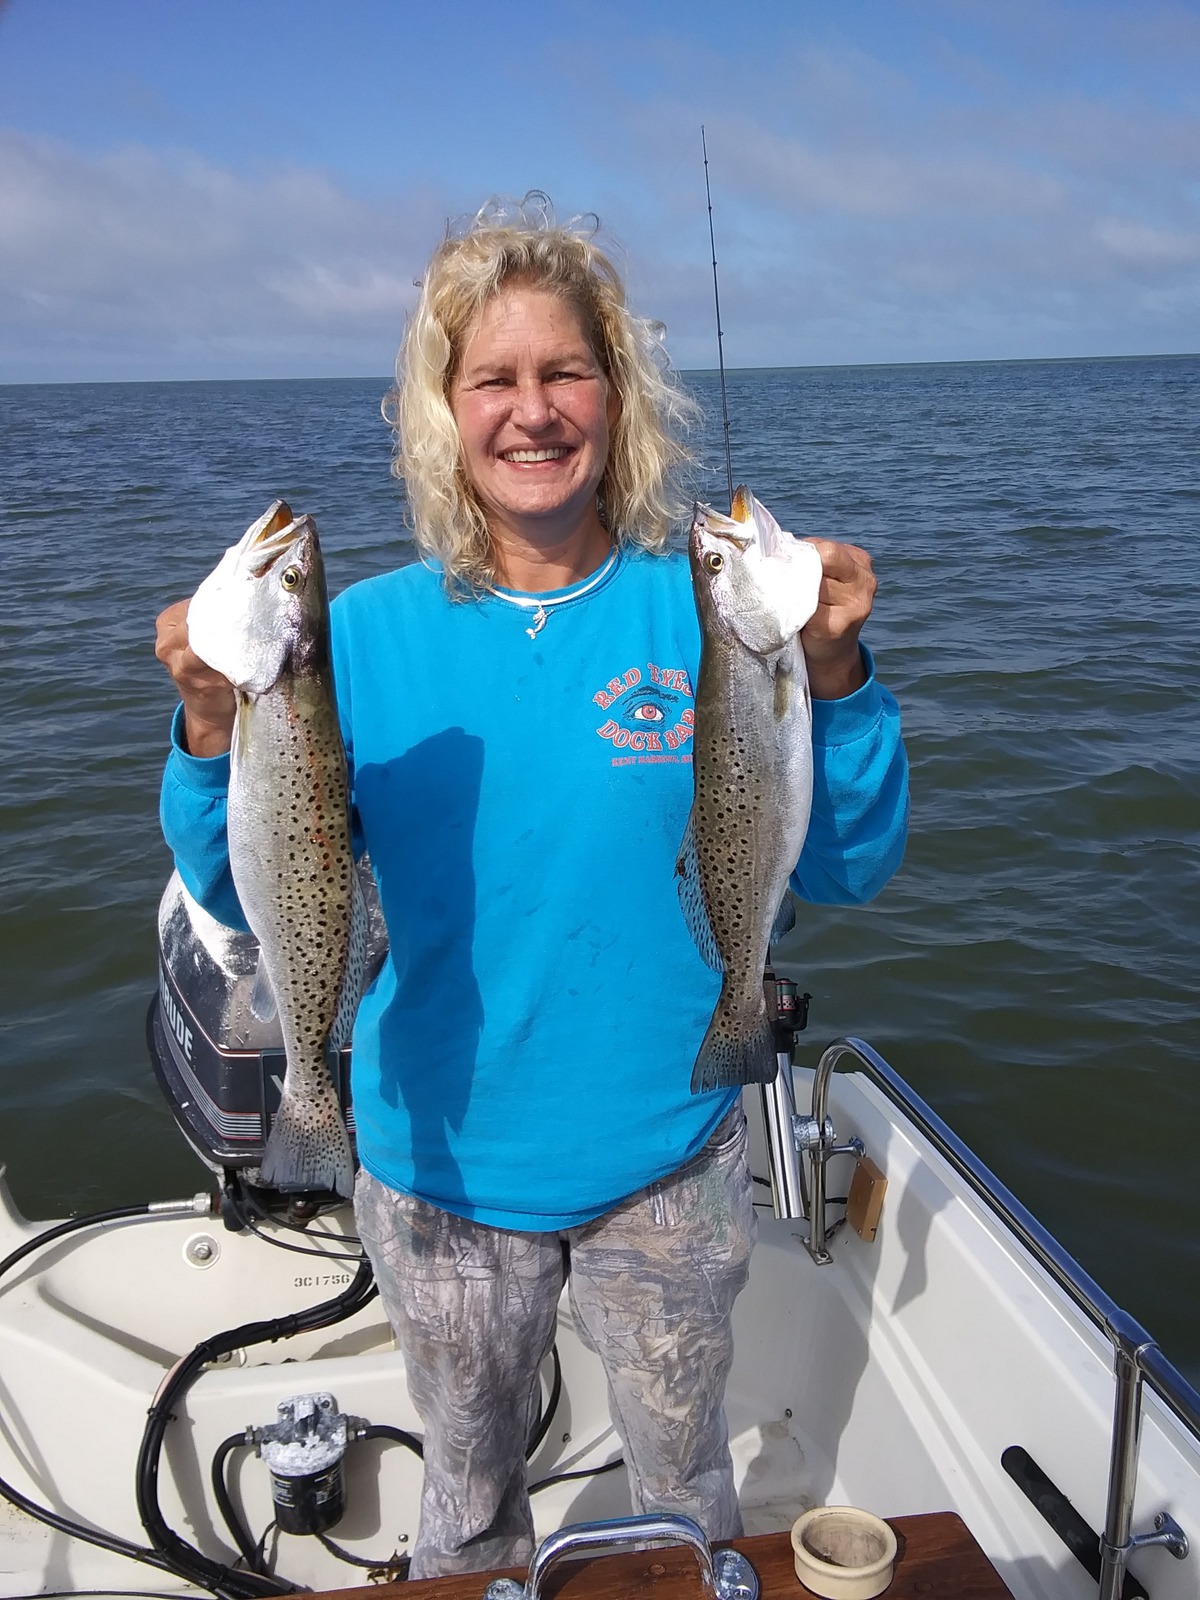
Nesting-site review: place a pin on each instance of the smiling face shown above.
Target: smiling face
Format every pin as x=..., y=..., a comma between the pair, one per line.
x=534, y=411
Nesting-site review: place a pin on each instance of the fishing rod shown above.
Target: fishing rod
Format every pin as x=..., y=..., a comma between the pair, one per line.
x=720, y=334
x=788, y=1008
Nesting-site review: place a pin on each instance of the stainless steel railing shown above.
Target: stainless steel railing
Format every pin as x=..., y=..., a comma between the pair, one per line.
x=1136, y=1358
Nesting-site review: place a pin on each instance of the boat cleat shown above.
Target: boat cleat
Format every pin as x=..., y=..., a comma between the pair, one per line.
x=1167, y=1533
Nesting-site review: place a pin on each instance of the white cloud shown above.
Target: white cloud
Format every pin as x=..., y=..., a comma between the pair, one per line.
x=935, y=205
x=1145, y=246
x=327, y=294
x=862, y=215
x=128, y=259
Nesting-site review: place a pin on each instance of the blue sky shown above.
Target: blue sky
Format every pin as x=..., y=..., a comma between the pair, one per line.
x=247, y=188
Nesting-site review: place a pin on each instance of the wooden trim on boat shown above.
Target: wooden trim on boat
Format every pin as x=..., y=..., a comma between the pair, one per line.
x=937, y=1559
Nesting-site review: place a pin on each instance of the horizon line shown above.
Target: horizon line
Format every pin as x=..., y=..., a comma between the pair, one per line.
x=683, y=372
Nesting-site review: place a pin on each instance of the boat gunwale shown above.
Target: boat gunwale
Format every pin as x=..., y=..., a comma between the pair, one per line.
x=1123, y=1331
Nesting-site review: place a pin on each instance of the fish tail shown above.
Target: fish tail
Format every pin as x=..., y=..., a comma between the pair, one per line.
x=308, y=1148
x=735, y=1051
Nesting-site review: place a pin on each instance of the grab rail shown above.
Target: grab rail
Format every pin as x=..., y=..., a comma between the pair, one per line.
x=1136, y=1357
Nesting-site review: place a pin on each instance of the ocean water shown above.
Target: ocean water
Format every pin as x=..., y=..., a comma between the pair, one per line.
x=1032, y=970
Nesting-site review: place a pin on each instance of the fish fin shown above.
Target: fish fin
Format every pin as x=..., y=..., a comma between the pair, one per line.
x=727, y=1058
x=262, y=996
x=691, y=898
x=309, y=1148
x=790, y=681
x=785, y=917
x=785, y=684
x=354, y=976
x=243, y=728
x=783, y=692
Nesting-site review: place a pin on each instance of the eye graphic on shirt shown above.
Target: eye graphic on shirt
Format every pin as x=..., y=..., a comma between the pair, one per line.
x=646, y=716
x=647, y=707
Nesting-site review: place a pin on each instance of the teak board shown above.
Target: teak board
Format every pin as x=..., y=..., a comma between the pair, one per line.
x=937, y=1559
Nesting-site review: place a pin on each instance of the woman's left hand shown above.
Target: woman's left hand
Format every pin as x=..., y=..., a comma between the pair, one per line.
x=830, y=637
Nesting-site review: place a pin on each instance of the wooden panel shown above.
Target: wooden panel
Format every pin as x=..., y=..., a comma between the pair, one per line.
x=937, y=1559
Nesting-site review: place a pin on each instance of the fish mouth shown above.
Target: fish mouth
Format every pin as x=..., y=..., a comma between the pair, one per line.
x=742, y=509
x=277, y=516
x=731, y=529
x=267, y=539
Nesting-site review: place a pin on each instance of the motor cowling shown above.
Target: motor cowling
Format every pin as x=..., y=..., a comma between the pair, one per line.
x=221, y=1067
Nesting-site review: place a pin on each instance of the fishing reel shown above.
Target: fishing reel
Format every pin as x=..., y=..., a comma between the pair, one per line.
x=787, y=1008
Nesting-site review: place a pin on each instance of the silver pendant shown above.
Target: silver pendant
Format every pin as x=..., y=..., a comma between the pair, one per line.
x=539, y=622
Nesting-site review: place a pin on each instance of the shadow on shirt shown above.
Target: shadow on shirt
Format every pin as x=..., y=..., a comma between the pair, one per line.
x=418, y=815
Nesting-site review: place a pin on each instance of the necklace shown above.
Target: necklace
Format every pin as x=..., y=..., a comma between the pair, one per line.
x=541, y=608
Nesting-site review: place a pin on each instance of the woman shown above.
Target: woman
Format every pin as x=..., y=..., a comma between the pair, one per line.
x=522, y=1064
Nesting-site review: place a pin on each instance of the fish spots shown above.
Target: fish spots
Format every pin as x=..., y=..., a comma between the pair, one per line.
x=300, y=876
x=753, y=770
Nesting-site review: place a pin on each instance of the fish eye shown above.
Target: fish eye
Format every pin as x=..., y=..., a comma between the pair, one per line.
x=290, y=578
x=714, y=560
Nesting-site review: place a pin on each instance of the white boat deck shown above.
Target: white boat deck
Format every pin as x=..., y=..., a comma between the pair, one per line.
x=893, y=1379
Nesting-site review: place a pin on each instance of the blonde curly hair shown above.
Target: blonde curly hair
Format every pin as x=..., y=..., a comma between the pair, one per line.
x=520, y=242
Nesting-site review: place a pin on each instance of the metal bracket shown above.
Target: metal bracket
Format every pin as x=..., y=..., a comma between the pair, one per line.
x=736, y=1579
x=808, y=1136
x=1168, y=1533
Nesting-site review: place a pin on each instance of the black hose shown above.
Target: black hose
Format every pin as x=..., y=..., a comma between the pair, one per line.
x=170, y=1553
x=189, y=1562
x=582, y=1472
x=395, y=1563
x=100, y=1594
x=547, y=1417
x=106, y=1541
x=73, y=1225
x=241, y=1201
x=383, y=1430
x=237, y=1528
x=252, y=1553
x=52, y=1519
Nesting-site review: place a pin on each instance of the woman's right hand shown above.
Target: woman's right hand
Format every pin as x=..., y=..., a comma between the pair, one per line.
x=209, y=703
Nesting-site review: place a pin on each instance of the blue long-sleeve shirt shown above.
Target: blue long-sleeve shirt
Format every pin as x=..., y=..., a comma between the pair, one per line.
x=525, y=1055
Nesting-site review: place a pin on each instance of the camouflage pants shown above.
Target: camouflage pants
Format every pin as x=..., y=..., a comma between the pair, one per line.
x=652, y=1286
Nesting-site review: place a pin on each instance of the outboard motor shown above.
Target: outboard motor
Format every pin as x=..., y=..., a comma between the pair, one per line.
x=220, y=1067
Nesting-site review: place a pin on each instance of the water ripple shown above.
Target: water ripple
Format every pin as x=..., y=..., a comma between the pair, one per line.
x=1032, y=969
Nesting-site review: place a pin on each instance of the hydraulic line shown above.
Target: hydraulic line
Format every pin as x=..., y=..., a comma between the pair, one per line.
x=384, y=1430
x=168, y=1552
x=96, y=1219
x=191, y=1562
x=580, y=1472
x=237, y=1528
x=547, y=1416
x=105, y=1541
x=52, y=1519
x=396, y=1563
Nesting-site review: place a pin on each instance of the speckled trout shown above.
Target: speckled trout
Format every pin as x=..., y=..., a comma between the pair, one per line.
x=262, y=619
x=755, y=586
